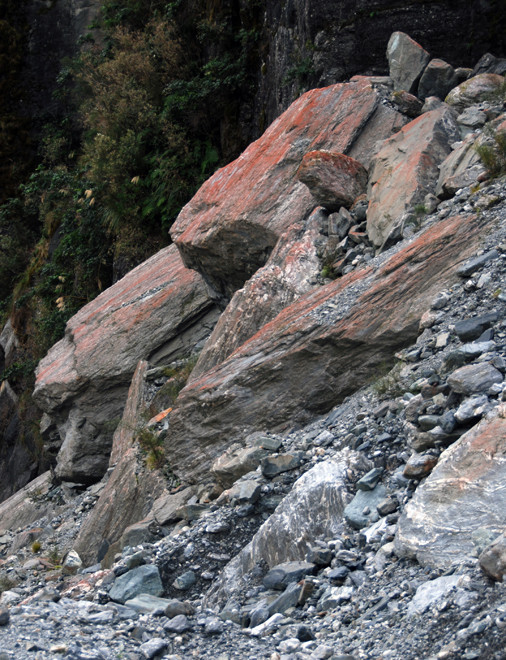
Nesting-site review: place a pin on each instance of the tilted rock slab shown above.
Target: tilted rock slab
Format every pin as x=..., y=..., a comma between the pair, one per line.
x=131, y=489
x=316, y=351
x=406, y=169
x=231, y=225
x=158, y=311
x=465, y=493
x=312, y=510
x=293, y=264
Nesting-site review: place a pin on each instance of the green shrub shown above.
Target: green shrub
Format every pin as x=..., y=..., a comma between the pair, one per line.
x=492, y=152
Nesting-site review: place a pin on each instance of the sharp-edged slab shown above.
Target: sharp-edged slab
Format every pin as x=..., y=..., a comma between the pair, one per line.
x=316, y=351
x=131, y=489
x=406, y=169
x=158, y=311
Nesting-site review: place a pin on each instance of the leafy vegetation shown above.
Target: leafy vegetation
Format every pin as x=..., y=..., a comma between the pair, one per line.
x=141, y=119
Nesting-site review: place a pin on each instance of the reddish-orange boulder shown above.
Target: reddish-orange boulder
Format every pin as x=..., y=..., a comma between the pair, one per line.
x=229, y=228
x=334, y=179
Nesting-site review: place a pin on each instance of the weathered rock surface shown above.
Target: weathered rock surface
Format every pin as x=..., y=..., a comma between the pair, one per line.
x=406, y=60
x=313, y=509
x=289, y=273
x=465, y=493
x=230, y=227
x=160, y=310
x=275, y=378
x=474, y=90
x=334, y=179
x=406, y=169
x=131, y=483
x=27, y=505
x=140, y=580
x=460, y=168
x=493, y=558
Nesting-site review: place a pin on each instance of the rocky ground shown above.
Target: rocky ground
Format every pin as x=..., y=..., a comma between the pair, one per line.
x=358, y=594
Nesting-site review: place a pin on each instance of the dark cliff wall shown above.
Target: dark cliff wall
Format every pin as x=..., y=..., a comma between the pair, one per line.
x=309, y=43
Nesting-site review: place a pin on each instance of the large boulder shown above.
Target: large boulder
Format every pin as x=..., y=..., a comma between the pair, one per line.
x=159, y=311
x=334, y=179
x=316, y=351
x=464, y=497
x=406, y=61
x=229, y=228
x=312, y=510
x=131, y=489
x=438, y=79
x=406, y=169
x=474, y=90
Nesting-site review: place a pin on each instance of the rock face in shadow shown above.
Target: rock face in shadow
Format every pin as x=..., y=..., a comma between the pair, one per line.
x=317, y=350
x=320, y=43
x=131, y=483
x=464, y=495
x=159, y=311
x=229, y=228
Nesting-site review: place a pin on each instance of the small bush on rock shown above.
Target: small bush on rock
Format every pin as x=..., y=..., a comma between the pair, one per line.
x=492, y=153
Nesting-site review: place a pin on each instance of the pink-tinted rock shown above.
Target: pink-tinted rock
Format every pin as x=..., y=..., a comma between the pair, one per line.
x=406, y=169
x=160, y=310
x=317, y=350
x=131, y=489
x=474, y=90
x=334, y=179
x=229, y=228
x=464, y=495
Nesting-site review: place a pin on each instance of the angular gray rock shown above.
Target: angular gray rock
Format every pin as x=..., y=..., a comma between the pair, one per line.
x=474, y=378
x=406, y=60
x=141, y=580
x=438, y=79
x=361, y=511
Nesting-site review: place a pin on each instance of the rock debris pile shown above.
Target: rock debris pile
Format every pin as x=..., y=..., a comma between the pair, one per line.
x=331, y=481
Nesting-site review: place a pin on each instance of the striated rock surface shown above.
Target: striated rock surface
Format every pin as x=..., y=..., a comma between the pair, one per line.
x=229, y=228
x=465, y=494
x=289, y=273
x=313, y=509
x=406, y=169
x=343, y=330
x=334, y=179
x=159, y=311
